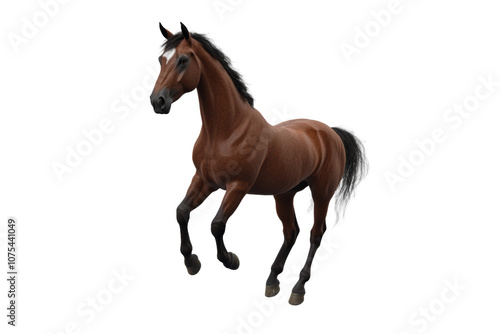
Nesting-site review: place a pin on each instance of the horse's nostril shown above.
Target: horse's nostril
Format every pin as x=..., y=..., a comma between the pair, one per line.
x=161, y=102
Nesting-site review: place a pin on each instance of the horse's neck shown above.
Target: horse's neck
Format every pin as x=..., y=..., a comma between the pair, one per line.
x=222, y=107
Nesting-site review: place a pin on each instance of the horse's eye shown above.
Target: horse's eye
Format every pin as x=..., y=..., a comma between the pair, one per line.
x=182, y=61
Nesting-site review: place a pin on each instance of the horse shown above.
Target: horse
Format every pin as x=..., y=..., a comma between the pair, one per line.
x=240, y=152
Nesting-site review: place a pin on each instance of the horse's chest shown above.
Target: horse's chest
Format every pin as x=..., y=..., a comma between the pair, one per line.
x=221, y=163
x=218, y=171
x=216, y=168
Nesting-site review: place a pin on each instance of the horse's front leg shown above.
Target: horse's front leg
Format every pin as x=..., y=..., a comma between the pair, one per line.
x=197, y=192
x=235, y=192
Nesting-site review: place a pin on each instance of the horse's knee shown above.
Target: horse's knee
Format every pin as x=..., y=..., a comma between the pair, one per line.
x=218, y=228
x=183, y=213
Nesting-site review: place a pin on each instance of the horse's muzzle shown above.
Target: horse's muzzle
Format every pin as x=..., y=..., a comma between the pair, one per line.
x=161, y=102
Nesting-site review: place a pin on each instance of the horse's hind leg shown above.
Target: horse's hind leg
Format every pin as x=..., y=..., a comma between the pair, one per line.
x=319, y=228
x=286, y=213
x=197, y=192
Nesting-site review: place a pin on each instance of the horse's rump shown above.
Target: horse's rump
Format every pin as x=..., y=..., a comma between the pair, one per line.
x=299, y=150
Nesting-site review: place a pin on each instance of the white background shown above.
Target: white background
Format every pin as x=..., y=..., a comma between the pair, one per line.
x=391, y=255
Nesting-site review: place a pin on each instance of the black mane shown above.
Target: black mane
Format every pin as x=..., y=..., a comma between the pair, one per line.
x=215, y=52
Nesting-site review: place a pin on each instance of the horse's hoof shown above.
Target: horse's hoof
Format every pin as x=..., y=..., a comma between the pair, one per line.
x=233, y=263
x=296, y=299
x=272, y=290
x=193, y=265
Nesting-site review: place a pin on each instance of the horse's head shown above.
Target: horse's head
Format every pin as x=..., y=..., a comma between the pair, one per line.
x=180, y=70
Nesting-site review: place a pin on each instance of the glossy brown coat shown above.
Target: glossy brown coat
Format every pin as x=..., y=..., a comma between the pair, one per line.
x=239, y=151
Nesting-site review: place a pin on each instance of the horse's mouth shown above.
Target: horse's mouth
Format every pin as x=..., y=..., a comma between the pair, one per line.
x=162, y=104
x=165, y=110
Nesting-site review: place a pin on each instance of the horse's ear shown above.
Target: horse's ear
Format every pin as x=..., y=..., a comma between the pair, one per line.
x=167, y=34
x=185, y=32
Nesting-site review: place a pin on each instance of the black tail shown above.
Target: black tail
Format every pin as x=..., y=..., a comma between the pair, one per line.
x=356, y=168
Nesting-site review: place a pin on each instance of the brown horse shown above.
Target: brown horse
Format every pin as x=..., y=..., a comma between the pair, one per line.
x=237, y=150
